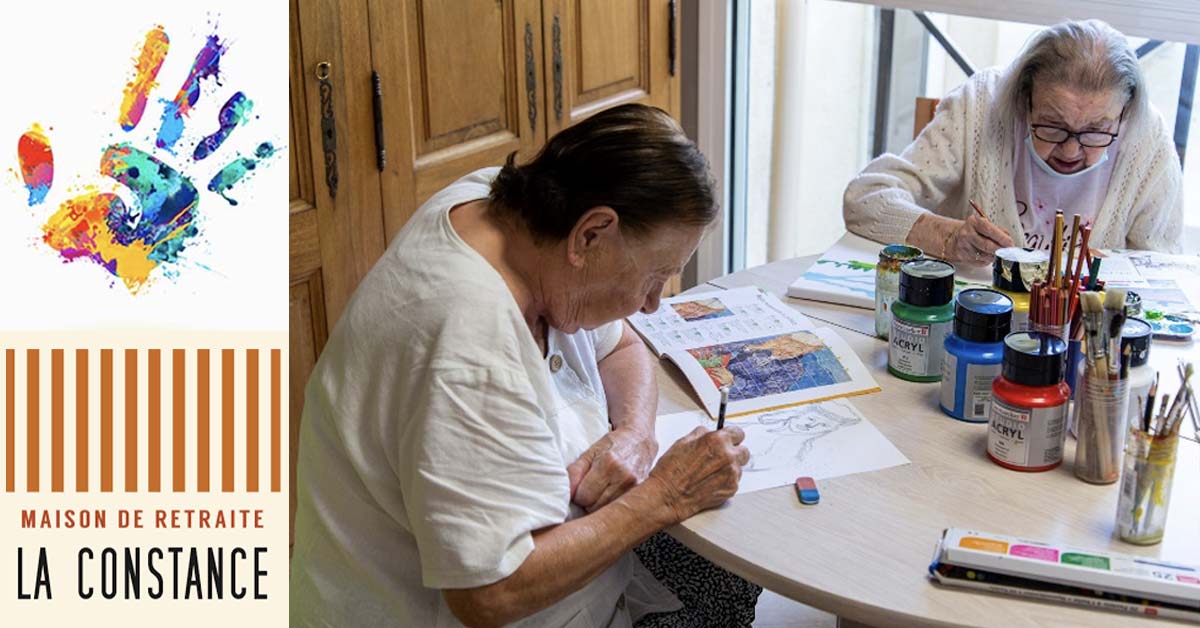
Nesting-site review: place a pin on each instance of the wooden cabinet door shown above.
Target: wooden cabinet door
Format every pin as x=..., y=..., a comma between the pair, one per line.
x=604, y=53
x=334, y=240
x=462, y=86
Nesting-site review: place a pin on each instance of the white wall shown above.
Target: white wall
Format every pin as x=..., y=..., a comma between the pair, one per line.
x=764, y=19
x=824, y=64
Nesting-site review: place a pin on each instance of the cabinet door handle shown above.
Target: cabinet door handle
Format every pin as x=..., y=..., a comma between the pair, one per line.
x=671, y=35
x=328, y=127
x=377, y=98
x=530, y=79
x=556, y=33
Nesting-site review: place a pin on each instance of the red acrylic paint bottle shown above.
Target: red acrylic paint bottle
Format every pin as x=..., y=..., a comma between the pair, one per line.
x=1028, y=416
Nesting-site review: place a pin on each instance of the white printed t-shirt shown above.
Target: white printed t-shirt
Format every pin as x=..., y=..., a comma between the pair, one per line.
x=436, y=437
x=1039, y=194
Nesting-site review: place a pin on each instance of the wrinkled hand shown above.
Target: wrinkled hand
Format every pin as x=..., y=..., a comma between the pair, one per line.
x=611, y=466
x=701, y=470
x=975, y=241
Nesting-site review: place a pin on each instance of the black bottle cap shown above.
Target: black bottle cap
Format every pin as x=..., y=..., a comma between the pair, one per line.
x=982, y=315
x=926, y=282
x=1136, y=335
x=1033, y=358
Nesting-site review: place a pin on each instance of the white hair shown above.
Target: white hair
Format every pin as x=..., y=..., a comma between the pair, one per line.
x=1088, y=55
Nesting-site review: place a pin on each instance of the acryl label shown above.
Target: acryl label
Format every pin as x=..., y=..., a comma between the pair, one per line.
x=917, y=349
x=1026, y=438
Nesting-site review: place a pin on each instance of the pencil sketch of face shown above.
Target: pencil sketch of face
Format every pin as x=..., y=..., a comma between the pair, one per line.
x=786, y=436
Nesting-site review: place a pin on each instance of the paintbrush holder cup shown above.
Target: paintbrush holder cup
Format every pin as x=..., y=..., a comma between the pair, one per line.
x=1101, y=420
x=1146, y=486
x=1049, y=328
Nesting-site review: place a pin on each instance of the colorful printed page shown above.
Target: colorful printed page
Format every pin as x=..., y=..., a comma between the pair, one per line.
x=780, y=369
x=820, y=440
x=714, y=317
x=844, y=275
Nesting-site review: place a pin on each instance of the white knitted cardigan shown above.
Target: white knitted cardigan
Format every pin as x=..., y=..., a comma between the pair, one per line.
x=964, y=153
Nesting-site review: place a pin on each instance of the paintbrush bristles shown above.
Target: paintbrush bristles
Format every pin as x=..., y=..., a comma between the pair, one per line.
x=1114, y=299
x=1093, y=316
x=1091, y=303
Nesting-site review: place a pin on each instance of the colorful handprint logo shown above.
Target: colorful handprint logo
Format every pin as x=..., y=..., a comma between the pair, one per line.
x=131, y=237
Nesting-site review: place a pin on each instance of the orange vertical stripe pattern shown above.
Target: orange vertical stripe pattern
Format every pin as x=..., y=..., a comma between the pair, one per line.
x=131, y=425
x=56, y=420
x=154, y=431
x=227, y=420
x=106, y=419
x=10, y=420
x=81, y=420
x=32, y=420
x=275, y=420
x=84, y=384
x=202, y=403
x=178, y=437
x=252, y=420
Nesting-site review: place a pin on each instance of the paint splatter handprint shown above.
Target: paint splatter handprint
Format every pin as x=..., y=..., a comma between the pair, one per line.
x=132, y=236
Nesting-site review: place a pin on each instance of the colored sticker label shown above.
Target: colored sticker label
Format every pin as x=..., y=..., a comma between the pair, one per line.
x=1035, y=552
x=984, y=545
x=1085, y=560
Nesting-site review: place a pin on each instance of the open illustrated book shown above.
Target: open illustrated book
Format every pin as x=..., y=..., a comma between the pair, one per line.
x=785, y=377
x=767, y=353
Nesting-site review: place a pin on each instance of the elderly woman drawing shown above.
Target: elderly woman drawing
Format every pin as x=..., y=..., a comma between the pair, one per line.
x=478, y=433
x=1066, y=126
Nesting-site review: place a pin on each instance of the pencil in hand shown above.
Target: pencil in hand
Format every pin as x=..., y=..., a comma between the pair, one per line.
x=724, y=401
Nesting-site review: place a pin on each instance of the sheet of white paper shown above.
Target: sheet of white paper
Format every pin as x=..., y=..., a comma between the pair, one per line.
x=696, y=320
x=821, y=440
x=777, y=370
x=1119, y=270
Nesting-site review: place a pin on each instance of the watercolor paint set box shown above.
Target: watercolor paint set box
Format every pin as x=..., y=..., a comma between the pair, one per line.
x=1104, y=580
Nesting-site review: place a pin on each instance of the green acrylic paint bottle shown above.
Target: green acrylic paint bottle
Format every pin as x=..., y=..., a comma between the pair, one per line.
x=921, y=318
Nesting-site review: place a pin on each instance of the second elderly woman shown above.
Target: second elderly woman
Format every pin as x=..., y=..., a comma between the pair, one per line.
x=1066, y=127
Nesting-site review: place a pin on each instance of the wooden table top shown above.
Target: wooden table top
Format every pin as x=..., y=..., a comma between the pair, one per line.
x=863, y=553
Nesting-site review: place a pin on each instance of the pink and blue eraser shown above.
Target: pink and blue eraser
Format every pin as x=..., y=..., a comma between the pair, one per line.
x=806, y=490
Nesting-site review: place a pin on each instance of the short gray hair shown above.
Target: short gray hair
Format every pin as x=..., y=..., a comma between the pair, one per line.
x=1088, y=55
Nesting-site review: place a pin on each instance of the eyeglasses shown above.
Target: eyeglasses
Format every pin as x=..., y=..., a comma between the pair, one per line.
x=1056, y=135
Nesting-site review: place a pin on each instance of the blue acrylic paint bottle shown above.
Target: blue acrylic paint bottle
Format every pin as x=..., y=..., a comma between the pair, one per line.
x=973, y=353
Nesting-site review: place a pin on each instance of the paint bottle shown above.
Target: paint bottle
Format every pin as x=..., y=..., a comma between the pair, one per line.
x=1136, y=334
x=922, y=316
x=974, y=352
x=887, y=282
x=1027, y=422
x=1014, y=270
